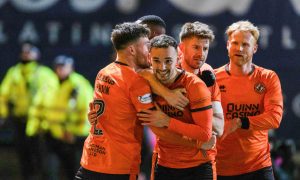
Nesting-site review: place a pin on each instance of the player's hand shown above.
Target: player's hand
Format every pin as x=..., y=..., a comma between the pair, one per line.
x=92, y=114
x=155, y=118
x=177, y=99
x=209, y=144
x=208, y=77
x=231, y=126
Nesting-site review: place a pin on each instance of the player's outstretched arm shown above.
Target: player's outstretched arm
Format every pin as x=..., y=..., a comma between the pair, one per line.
x=175, y=138
x=158, y=118
x=174, y=97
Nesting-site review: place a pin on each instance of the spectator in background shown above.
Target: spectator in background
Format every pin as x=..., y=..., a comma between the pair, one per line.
x=252, y=104
x=63, y=118
x=282, y=154
x=17, y=93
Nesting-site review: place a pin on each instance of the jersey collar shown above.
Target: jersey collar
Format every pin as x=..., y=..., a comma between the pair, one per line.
x=228, y=72
x=118, y=62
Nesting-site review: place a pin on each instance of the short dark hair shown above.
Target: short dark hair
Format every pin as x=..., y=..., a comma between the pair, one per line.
x=163, y=41
x=153, y=20
x=126, y=33
x=197, y=29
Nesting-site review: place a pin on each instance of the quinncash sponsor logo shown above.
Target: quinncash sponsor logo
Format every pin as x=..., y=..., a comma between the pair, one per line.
x=241, y=110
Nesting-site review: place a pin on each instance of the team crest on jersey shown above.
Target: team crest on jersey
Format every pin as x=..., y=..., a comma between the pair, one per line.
x=146, y=98
x=259, y=87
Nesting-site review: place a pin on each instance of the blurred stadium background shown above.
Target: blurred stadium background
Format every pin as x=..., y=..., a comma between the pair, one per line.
x=82, y=29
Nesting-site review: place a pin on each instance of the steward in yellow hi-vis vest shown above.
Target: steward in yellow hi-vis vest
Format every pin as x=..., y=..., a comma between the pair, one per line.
x=61, y=116
x=17, y=91
x=21, y=83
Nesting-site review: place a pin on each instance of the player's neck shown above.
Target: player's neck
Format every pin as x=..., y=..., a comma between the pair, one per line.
x=188, y=68
x=242, y=70
x=173, y=78
x=127, y=59
x=124, y=59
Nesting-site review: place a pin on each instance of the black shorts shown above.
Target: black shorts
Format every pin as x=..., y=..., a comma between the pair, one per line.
x=203, y=172
x=261, y=174
x=84, y=174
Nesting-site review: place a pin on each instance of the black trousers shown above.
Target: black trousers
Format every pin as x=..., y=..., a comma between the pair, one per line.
x=84, y=174
x=66, y=154
x=261, y=174
x=203, y=172
x=27, y=149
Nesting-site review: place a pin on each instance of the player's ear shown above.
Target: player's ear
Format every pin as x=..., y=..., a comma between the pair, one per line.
x=255, y=48
x=178, y=59
x=131, y=49
x=227, y=44
x=180, y=48
x=149, y=59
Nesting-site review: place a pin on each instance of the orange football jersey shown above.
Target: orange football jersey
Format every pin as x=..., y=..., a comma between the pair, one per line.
x=257, y=96
x=114, y=143
x=215, y=96
x=187, y=123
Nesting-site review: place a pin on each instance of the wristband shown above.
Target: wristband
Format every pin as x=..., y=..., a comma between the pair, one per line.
x=245, y=122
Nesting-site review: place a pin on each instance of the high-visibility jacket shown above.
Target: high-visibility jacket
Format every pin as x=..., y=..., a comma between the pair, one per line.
x=20, y=85
x=63, y=109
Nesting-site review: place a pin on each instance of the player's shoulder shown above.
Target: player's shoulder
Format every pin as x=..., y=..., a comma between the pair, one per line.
x=196, y=88
x=206, y=66
x=264, y=72
x=191, y=78
x=220, y=70
x=119, y=72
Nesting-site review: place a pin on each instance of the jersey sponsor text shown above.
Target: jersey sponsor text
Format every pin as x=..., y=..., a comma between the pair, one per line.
x=241, y=110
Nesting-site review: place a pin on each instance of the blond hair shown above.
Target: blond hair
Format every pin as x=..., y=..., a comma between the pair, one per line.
x=243, y=26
